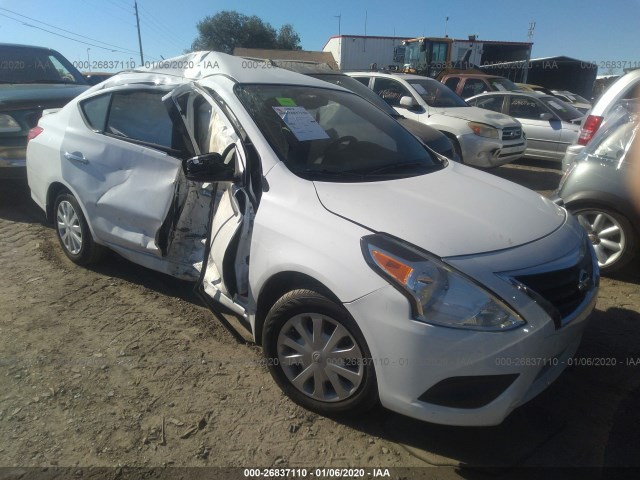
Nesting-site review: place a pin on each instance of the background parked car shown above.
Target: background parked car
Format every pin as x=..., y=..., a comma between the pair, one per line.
x=549, y=123
x=481, y=139
x=579, y=103
x=594, y=189
x=94, y=78
x=431, y=137
x=624, y=89
x=529, y=87
x=469, y=84
x=31, y=79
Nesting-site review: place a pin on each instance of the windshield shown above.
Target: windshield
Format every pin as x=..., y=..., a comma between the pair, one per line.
x=575, y=98
x=331, y=135
x=562, y=109
x=503, y=84
x=358, y=88
x=436, y=94
x=36, y=65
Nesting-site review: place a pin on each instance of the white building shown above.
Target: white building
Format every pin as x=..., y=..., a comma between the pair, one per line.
x=357, y=52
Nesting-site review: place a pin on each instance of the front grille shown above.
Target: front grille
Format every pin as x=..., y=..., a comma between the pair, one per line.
x=563, y=289
x=511, y=133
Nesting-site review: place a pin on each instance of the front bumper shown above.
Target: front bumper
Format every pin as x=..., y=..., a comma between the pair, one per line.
x=412, y=357
x=487, y=152
x=473, y=378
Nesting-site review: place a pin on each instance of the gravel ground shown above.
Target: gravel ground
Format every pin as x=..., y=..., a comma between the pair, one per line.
x=120, y=366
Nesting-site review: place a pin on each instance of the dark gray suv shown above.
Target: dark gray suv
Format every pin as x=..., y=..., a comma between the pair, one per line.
x=32, y=79
x=594, y=188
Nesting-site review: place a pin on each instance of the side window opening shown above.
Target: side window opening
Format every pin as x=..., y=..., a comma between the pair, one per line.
x=522, y=107
x=452, y=83
x=95, y=111
x=390, y=91
x=140, y=115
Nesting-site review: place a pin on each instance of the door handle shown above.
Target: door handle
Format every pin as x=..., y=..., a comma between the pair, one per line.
x=76, y=157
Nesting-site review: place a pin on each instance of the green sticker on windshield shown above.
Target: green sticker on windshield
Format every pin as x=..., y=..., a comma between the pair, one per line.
x=286, y=102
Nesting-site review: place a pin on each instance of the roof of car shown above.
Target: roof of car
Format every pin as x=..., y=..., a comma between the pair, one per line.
x=19, y=45
x=478, y=75
x=200, y=65
x=391, y=74
x=524, y=93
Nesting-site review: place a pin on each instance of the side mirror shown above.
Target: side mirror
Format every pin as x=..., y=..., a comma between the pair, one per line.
x=210, y=167
x=408, y=102
x=546, y=116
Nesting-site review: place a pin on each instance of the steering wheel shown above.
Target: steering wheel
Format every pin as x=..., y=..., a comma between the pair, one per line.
x=340, y=144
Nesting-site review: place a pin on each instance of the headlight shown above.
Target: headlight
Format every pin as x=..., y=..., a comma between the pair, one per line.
x=8, y=124
x=483, y=130
x=438, y=294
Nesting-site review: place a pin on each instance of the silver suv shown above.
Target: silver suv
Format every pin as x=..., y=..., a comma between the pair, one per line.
x=481, y=138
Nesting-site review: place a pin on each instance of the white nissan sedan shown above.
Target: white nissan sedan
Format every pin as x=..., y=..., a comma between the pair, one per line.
x=368, y=268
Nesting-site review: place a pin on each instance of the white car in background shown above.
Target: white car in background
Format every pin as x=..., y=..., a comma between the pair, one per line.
x=482, y=139
x=367, y=268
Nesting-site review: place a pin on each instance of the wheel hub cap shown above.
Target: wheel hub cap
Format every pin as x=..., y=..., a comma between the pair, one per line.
x=320, y=357
x=606, y=235
x=69, y=229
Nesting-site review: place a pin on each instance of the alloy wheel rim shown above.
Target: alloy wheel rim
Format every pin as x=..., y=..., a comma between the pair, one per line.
x=320, y=357
x=606, y=235
x=69, y=227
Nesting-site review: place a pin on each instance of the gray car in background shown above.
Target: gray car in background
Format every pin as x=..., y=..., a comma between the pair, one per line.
x=594, y=189
x=550, y=124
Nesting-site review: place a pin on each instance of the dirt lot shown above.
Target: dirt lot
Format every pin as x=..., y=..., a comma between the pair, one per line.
x=120, y=366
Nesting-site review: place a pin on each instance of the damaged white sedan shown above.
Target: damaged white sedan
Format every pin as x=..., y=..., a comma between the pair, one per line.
x=369, y=268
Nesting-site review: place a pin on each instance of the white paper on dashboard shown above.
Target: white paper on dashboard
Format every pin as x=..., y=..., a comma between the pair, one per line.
x=301, y=123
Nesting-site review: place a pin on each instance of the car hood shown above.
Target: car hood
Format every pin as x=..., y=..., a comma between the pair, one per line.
x=475, y=114
x=431, y=137
x=451, y=212
x=51, y=95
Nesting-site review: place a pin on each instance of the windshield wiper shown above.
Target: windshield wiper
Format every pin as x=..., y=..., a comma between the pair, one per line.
x=330, y=173
x=401, y=166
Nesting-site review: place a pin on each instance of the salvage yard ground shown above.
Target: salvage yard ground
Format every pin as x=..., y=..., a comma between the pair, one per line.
x=118, y=365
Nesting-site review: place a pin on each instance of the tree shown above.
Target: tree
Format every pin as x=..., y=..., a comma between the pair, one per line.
x=226, y=30
x=288, y=39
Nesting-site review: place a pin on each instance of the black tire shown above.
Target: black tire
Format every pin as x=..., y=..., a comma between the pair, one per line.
x=627, y=236
x=297, y=304
x=88, y=252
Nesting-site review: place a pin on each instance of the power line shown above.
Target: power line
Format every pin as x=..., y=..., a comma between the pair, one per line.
x=163, y=26
x=161, y=34
x=63, y=36
x=128, y=51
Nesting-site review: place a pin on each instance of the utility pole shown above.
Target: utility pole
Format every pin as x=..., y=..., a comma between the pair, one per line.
x=364, y=40
x=135, y=4
x=532, y=27
x=339, y=17
x=446, y=21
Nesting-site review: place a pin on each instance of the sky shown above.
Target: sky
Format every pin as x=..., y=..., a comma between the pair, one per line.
x=590, y=30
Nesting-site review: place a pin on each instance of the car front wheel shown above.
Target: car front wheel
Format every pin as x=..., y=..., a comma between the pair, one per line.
x=317, y=354
x=73, y=232
x=611, y=234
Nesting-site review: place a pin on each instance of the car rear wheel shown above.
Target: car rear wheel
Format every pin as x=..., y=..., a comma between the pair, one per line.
x=317, y=354
x=611, y=234
x=73, y=232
